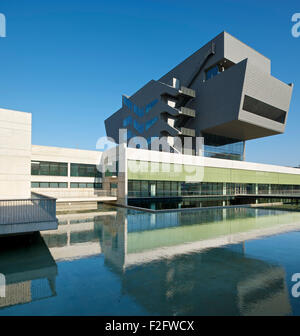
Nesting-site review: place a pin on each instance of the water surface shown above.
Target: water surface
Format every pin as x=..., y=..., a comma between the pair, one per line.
x=236, y=261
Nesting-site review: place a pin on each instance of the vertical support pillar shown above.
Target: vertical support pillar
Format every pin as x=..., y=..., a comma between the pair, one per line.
x=224, y=193
x=244, y=151
x=69, y=174
x=122, y=193
x=256, y=192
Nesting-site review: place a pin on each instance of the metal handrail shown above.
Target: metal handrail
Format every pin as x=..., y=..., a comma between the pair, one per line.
x=197, y=193
x=31, y=210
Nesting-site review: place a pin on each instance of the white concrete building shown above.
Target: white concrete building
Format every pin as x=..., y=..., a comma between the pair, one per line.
x=15, y=154
x=20, y=210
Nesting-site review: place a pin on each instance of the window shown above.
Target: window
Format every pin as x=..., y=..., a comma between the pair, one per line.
x=144, y=188
x=127, y=121
x=139, y=111
x=49, y=185
x=223, y=148
x=49, y=168
x=53, y=185
x=262, y=109
x=138, y=127
x=129, y=134
x=84, y=170
x=151, y=122
x=127, y=102
x=44, y=185
x=212, y=72
x=151, y=105
x=77, y=185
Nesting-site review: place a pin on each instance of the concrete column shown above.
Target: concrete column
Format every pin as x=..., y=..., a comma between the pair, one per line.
x=256, y=192
x=224, y=192
x=69, y=174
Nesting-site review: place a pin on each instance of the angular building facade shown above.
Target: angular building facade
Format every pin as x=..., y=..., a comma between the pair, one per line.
x=224, y=93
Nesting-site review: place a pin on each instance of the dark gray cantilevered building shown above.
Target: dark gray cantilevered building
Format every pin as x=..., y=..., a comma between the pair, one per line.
x=224, y=92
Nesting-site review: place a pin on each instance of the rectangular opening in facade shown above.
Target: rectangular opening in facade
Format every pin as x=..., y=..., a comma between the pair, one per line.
x=262, y=109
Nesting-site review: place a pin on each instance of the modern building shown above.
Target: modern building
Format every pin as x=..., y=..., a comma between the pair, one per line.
x=224, y=92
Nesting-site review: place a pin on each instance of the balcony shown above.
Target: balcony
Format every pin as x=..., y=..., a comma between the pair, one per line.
x=186, y=131
x=188, y=112
x=187, y=92
x=27, y=215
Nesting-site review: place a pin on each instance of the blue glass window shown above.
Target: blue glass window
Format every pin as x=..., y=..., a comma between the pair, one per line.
x=212, y=72
x=151, y=122
x=127, y=121
x=129, y=134
x=127, y=102
x=151, y=105
x=140, y=111
x=138, y=127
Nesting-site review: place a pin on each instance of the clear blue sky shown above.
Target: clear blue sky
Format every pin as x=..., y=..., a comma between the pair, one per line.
x=68, y=61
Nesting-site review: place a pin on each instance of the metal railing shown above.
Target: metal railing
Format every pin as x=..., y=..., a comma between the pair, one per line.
x=187, y=131
x=187, y=111
x=172, y=194
x=27, y=211
x=77, y=193
x=188, y=91
x=273, y=193
x=167, y=193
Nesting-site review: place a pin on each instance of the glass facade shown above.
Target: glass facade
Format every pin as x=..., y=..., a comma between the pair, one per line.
x=223, y=148
x=49, y=168
x=139, y=111
x=86, y=185
x=212, y=72
x=61, y=169
x=143, y=188
x=84, y=170
x=49, y=185
x=139, y=127
x=127, y=121
x=151, y=122
x=171, y=188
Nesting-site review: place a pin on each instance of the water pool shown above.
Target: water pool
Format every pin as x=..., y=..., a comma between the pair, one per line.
x=235, y=261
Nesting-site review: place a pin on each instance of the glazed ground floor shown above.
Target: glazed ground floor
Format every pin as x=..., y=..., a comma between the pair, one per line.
x=153, y=188
x=156, y=174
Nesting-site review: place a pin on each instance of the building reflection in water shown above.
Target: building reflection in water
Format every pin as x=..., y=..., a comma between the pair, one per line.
x=176, y=263
x=170, y=272
x=29, y=268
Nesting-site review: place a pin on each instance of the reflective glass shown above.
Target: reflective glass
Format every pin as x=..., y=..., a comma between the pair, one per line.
x=151, y=122
x=49, y=168
x=212, y=72
x=84, y=170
